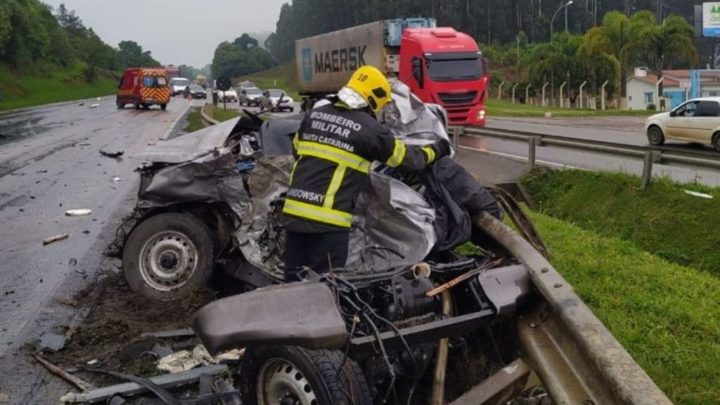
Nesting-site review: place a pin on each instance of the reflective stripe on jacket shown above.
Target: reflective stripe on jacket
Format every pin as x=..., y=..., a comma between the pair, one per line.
x=335, y=148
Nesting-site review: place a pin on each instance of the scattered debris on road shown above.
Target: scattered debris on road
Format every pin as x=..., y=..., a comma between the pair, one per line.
x=76, y=381
x=52, y=342
x=183, y=332
x=55, y=238
x=113, y=154
x=81, y=212
x=94, y=105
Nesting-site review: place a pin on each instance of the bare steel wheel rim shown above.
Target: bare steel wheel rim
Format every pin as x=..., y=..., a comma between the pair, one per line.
x=281, y=383
x=655, y=135
x=168, y=260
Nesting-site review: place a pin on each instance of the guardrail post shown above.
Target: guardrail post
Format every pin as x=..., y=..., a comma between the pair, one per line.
x=562, y=98
x=647, y=169
x=500, y=90
x=582, y=86
x=457, y=133
x=513, y=92
x=533, y=142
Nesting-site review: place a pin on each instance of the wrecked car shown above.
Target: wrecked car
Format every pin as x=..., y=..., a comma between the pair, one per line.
x=384, y=327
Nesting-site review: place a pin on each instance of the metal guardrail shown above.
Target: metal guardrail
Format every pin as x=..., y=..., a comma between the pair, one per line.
x=206, y=117
x=649, y=154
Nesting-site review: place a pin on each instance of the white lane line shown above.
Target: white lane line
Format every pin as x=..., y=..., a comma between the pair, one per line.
x=175, y=122
x=521, y=158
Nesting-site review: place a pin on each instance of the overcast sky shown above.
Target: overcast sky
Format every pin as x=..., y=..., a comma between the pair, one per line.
x=175, y=31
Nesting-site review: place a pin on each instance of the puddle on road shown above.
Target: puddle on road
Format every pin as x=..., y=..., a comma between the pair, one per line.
x=14, y=127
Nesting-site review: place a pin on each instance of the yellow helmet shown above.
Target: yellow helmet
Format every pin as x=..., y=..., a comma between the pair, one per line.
x=366, y=87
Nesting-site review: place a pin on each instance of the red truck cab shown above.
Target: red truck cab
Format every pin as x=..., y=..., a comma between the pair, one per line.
x=444, y=66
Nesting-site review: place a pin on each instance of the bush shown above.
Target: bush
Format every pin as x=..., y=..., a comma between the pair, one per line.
x=651, y=107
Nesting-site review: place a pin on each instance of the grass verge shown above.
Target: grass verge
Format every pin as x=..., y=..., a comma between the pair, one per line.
x=194, y=121
x=280, y=77
x=662, y=219
x=220, y=114
x=35, y=88
x=664, y=314
x=499, y=108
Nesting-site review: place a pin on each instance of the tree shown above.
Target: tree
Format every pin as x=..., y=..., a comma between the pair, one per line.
x=666, y=44
x=240, y=57
x=132, y=55
x=620, y=37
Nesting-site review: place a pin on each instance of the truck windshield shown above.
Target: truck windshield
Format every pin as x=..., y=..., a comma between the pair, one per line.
x=154, y=81
x=455, y=69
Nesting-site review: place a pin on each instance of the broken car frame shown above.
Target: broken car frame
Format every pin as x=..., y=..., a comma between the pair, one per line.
x=367, y=332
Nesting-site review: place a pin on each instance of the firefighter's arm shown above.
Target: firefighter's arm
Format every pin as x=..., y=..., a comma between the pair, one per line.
x=395, y=153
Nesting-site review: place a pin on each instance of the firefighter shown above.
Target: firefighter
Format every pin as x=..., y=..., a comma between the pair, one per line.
x=335, y=146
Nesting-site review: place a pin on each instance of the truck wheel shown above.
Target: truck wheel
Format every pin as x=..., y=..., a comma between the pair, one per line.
x=168, y=256
x=163, y=106
x=293, y=375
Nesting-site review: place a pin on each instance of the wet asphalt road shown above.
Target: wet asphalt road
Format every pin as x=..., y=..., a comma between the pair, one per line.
x=624, y=130
x=49, y=163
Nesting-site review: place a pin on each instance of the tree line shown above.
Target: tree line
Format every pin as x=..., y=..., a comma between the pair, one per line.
x=32, y=37
x=488, y=21
x=240, y=57
x=607, y=52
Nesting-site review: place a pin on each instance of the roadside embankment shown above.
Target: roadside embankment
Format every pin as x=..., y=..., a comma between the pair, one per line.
x=26, y=89
x=664, y=219
x=664, y=314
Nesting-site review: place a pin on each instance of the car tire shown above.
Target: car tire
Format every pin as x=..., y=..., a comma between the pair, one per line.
x=305, y=376
x=716, y=141
x=163, y=106
x=655, y=136
x=120, y=105
x=168, y=256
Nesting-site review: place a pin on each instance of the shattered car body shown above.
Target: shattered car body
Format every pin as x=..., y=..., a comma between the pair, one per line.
x=382, y=328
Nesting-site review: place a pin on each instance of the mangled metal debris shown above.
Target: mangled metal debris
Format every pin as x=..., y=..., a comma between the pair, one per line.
x=80, y=212
x=165, y=381
x=76, y=381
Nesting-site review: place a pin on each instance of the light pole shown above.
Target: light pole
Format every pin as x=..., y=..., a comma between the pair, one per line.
x=562, y=5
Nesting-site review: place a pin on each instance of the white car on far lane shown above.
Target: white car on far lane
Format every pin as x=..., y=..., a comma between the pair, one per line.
x=696, y=120
x=228, y=95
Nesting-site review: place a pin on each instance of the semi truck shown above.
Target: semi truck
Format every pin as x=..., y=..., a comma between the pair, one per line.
x=439, y=64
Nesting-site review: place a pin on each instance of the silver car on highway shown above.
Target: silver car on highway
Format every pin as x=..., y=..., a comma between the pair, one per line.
x=276, y=100
x=696, y=120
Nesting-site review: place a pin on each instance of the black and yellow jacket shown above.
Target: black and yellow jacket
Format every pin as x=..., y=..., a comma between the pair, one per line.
x=335, y=147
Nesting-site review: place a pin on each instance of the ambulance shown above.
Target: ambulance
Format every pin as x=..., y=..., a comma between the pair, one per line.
x=143, y=87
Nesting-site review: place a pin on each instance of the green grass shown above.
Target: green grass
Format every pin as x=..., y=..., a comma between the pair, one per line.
x=498, y=108
x=664, y=314
x=661, y=219
x=37, y=88
x=280, y=77
x=220, y=114
x=194, y=121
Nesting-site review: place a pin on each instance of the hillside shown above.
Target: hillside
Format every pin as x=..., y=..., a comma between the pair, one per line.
x=281, y=77
x=28, y=89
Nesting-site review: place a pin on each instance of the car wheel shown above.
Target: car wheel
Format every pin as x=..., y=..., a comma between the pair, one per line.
x=655, y=136
x=716, y=141
x=163, y=106
x=168, y=256
x=290, y=374
x=137, y=106
x=120, y=105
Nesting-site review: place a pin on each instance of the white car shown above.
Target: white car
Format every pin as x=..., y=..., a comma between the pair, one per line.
x=696, y=120
x=228, y=95
x=276, y=100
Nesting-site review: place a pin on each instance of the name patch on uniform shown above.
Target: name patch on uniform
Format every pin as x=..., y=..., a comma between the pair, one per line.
x=306, y=195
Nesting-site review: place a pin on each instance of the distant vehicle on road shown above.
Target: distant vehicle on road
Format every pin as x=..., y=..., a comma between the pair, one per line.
x=249, y=96
x=178, y=85
x=228, y=95
x=246, y=84
x=143, y=87
x=196, y=91
x=276, y=100
x=697, y=121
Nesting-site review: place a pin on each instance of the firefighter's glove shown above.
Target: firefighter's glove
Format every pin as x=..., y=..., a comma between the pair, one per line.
x=442, y=149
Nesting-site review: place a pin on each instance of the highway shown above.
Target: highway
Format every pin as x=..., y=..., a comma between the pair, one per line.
x=624, y=130
x=50, y=162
